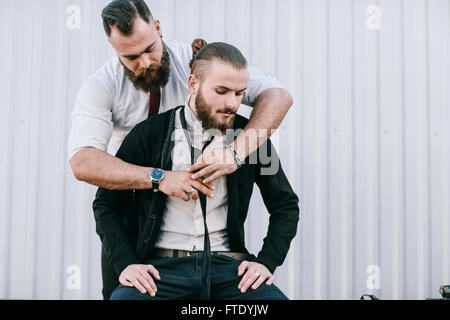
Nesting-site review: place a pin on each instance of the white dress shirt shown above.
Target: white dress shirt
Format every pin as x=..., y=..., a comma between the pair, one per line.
x=108, y=105
x=182, y=225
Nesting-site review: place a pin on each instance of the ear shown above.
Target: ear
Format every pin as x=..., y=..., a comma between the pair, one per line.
x=193, y=84
x=158, y=27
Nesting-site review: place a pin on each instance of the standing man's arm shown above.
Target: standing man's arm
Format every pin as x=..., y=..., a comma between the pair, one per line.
x=91, y=131
x=270, y=108
x=99, y=168
x=92, y=128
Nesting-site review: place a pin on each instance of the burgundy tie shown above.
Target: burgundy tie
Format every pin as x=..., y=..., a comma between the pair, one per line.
x=153, y=103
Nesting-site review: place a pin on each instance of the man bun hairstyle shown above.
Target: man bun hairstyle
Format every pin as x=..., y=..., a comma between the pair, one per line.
x=123, y=13
x=203, y=53
x=196, y=45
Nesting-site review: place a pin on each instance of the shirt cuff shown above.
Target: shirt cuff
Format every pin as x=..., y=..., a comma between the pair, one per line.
x=72, y=150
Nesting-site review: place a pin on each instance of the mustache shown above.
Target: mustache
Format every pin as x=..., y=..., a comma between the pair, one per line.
x=227, y=110
x=148, y=71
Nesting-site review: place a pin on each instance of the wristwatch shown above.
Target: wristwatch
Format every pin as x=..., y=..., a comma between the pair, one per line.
x=156, y=175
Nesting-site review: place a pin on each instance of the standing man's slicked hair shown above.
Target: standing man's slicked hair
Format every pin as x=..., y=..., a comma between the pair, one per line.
x=123, y=13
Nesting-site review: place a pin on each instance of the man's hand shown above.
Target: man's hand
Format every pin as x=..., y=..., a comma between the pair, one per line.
x=255, y=274
x=216, y=161
x=138, y=276
x=181, y=185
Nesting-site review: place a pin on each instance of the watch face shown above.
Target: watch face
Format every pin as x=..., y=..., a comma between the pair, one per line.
x=157, y=174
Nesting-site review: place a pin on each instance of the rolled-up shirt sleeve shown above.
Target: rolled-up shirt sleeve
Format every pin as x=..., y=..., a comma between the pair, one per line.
x=258, y=82
x=92, y=124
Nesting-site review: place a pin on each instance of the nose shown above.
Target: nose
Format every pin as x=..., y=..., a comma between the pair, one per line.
x=144, y=62
x=232, y=101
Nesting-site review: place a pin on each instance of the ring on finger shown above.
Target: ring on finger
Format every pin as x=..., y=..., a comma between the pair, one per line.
x=256, y=273
x=190, y=192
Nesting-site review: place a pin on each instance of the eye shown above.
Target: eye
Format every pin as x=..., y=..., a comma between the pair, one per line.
x=220, y=92
x=239, y=93
x=132, y=58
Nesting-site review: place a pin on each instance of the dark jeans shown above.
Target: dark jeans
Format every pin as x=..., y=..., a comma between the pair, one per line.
x=181, y=278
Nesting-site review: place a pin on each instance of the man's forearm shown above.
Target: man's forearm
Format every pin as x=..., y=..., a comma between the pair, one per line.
x=268, y=112
x=101, y=169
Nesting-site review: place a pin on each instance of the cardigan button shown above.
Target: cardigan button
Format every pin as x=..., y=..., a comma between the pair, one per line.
x=153, y=216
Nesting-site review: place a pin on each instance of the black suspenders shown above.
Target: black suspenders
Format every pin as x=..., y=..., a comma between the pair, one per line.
x=206, y=244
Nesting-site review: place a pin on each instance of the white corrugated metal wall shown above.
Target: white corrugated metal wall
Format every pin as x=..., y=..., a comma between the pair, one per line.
x=366, y=144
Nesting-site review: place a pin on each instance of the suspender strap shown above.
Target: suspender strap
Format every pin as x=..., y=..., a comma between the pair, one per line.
x=202, y=197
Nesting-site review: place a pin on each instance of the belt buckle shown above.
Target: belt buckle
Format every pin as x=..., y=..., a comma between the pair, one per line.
x=193, y=253
x=190, y=253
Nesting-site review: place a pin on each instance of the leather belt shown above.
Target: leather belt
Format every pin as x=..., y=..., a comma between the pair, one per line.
x=174, y=253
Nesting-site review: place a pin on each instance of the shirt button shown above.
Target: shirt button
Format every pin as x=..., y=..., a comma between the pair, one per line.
x=146, y=241
x=153, y=216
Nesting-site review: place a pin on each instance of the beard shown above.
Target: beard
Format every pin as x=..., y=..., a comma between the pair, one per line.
x=206, y=115
x=148, y=82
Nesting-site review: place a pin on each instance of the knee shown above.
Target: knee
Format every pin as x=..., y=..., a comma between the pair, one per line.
x=118, y=294
x=272, y=292
x=125, y=293
x=279, y=295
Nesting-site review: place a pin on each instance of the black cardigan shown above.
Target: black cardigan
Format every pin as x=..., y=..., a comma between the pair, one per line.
x=149, y=144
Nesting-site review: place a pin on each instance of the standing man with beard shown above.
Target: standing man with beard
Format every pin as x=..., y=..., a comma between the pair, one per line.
x=195, y=249
x=149, y=76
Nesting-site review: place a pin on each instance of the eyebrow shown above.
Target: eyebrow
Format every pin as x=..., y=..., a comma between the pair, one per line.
x=225, y=88
x=137, y=55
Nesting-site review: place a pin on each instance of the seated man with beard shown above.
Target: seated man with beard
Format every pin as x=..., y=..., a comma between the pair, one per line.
x=194, y=248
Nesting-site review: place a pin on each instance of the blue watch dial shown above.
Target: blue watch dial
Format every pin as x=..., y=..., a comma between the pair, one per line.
x=157, y=174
